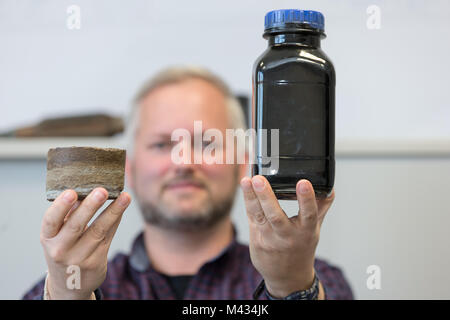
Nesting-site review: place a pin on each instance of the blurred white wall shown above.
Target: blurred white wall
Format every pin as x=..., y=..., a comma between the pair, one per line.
x=390, y=210
x=391, y=82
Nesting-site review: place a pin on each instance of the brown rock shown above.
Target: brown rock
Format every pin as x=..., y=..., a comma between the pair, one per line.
x=83, y=169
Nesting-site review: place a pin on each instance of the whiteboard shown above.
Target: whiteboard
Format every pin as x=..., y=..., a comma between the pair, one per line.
x=392, y=81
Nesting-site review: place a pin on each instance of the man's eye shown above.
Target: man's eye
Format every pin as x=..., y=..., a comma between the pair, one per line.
x=159, y=145
x=206, y=143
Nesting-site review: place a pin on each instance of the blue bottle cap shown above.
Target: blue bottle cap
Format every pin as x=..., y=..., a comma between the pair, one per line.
x=308, y=19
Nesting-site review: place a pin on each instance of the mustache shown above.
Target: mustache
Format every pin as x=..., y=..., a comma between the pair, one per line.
x=193, y=181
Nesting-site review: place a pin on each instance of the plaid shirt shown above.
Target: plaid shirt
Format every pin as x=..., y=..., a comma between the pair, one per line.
x=230, y=275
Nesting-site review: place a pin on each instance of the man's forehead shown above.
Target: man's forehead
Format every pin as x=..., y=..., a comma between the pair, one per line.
x=188, y=90
x=169, y=108
x=165, y=132
x=165, y=127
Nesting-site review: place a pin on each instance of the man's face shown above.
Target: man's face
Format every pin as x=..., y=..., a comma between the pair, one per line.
x=181, y=196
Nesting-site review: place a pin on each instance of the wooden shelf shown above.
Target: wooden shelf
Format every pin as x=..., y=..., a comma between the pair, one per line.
x=37, y=148
x=394, y=147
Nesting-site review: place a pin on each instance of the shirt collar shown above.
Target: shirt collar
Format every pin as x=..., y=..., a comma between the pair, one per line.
x=138, y=257
x=140, y=261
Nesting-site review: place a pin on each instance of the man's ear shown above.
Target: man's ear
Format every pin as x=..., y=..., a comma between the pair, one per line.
x=129, y=163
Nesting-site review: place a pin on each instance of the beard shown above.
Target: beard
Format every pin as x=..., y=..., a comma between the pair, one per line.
x=206, y=215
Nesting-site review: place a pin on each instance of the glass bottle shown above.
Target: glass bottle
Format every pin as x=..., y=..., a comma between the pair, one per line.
x=294, y=92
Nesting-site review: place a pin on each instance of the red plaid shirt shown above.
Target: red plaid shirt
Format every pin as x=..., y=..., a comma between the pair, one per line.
x=230, y=275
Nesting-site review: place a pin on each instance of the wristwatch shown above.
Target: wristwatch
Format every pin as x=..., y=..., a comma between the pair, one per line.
x=309, y=294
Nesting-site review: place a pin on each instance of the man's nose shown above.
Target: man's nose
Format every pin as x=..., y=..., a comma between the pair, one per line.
x=185, y=168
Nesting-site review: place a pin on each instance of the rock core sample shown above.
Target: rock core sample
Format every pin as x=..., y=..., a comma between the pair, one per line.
x=83, y=169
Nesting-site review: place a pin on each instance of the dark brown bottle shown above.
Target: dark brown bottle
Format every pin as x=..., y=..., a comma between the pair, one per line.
x=294, y=92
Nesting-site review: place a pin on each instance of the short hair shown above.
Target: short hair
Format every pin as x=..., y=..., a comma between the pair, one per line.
x=177, y=74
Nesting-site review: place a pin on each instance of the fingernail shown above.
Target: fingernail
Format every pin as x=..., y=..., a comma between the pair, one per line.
x=304, y=188
x=68, y=196
x=99, y=195
x=123, y=200
x=246, y=183
x=258, y=183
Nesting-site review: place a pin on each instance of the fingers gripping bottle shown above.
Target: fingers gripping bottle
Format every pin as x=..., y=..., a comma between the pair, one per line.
x=293, y=105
